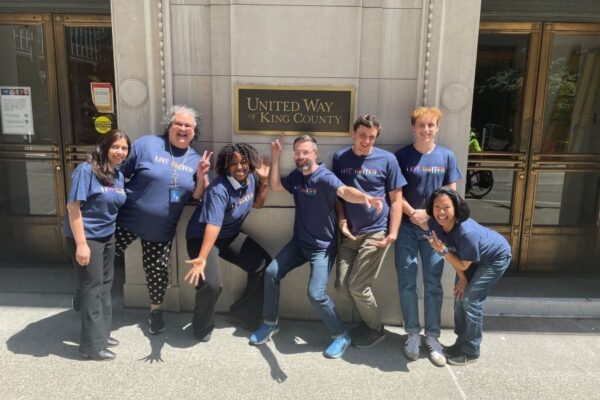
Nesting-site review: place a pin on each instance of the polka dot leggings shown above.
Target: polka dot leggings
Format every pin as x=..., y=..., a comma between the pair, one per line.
x=155, y=260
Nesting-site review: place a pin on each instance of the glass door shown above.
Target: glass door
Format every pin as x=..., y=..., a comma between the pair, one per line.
x=534, y=150
x=562, y=217
x=31, y=171
x=501, y=126
x=56, y=99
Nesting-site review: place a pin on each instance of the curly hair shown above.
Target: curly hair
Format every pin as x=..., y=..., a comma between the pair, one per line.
x=461, y=208
x=248, y=153
x=101, y=167
x=169, y=116
x=368, y=121
x=421, y=111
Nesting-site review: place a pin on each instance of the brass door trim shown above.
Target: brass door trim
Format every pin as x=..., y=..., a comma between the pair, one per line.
x=510, y=27
x=19, y=18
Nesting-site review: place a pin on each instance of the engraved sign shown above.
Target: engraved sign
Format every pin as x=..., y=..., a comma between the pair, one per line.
x=271, y=110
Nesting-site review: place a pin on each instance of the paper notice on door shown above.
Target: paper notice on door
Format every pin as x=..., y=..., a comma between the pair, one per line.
x=15, y=110
x=102, y=96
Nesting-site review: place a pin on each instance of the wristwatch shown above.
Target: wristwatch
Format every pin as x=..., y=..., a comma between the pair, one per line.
x=444, y=251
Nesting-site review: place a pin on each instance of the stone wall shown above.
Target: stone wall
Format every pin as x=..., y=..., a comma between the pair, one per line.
x=397, y=54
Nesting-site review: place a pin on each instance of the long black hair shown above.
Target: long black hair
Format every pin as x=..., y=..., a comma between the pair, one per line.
x=461, y=208
x=101, y=167
x=248, y=153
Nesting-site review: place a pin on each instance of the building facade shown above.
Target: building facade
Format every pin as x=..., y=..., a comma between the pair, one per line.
x=502, y=69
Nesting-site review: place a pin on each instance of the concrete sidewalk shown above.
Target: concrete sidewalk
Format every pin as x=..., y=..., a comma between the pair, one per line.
x=521, y=359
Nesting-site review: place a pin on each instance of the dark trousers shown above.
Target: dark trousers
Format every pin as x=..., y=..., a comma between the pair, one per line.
x=95, y=283
x=245, y=253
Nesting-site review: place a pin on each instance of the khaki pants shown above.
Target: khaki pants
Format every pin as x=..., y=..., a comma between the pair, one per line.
x=358, y=264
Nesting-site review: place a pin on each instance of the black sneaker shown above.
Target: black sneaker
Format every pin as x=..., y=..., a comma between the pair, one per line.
x=156, y=324
x=358, y=330
x=370, y=338
x=456, y=356
x=205, y=335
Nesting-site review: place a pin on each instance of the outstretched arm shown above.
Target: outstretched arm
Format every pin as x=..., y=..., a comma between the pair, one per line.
x=211, y=232
x=355, y=196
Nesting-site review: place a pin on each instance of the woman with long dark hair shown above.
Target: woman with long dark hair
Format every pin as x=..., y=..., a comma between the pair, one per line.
x=216, y=227
x=95, y=196
x=478, y=254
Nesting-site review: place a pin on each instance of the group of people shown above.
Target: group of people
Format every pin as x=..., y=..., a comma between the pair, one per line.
x=349, y=216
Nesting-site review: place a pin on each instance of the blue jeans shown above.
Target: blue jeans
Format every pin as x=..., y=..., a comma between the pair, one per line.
x=291, y=256
x=468, y=313
x=409, y=244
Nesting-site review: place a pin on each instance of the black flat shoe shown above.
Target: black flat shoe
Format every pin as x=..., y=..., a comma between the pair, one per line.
x=102, y=355
x=112, y=342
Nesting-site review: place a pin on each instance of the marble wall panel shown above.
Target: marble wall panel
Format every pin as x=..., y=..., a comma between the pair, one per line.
x=191, y=39
x=295, y=41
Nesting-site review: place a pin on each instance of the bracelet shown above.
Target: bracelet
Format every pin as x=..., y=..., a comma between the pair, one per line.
x=444, y=251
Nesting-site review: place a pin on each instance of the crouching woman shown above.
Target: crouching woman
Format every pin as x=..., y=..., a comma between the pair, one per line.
x=479, y=255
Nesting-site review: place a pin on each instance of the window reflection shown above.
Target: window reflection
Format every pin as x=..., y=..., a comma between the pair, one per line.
x=572, y=101
x=567, y=198
x=497, y=102
x=32, y=190
x=489, y=195
x=24, y=64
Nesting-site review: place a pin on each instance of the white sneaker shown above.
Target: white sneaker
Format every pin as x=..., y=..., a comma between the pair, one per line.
x=436, y=351
x=412, y=346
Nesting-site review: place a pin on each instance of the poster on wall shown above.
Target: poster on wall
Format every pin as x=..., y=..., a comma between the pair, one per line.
x=102, y=96
x=16, y=111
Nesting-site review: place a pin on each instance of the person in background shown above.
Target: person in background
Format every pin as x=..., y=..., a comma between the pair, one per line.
x=426, y=166
x=164, y=172
x=366, y=235
x=95, y=196
x=315, y=190
x=479, y=255
x=216, y=227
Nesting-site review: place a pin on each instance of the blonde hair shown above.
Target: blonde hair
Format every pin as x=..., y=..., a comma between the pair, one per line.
x=421, y=111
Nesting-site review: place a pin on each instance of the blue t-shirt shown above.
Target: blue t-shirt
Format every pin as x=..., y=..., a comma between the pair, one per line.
x=425, y=173
x=375, y=174
x=223, y=206
x=314, y=197
x=99, y=203
x=148, y=212
x=473, y=242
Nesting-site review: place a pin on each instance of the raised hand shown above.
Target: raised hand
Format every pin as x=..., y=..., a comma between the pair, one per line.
x=277, y=146
x=262, y=169
x=204, y=164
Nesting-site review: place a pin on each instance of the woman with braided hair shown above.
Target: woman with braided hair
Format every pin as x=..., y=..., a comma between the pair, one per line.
x=216, y=228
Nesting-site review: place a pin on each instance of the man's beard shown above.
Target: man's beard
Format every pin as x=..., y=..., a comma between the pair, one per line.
x=304, y=167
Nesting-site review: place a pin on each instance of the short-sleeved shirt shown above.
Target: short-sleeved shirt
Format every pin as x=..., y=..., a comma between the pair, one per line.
x=314, y=197
x=99, y=203
x=473, y=242
x=223, y=206
x=375, y=174
x=425, y=173
x=149, y=168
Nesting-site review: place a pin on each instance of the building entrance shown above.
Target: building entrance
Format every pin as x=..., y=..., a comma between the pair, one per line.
x=534, y=160
x=57, y=96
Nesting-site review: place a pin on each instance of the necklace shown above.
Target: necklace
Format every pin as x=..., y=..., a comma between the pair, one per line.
x=174, y=176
